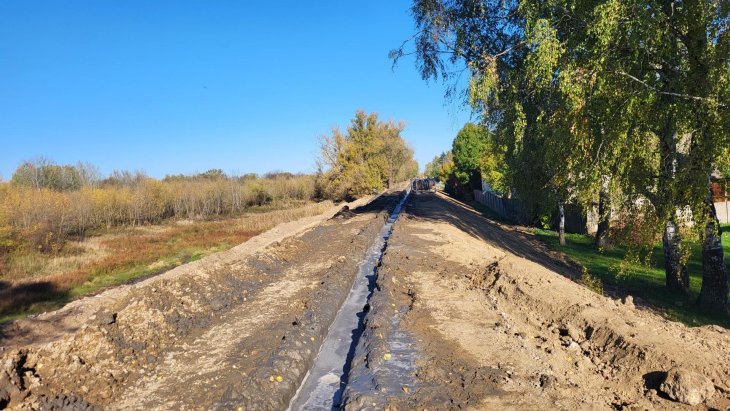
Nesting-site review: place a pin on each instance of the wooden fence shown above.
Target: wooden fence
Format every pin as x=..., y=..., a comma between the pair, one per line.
x=511, y=209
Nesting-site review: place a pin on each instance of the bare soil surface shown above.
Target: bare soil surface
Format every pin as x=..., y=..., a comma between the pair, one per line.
x=465, y=314
x=238, y=329
x=472, y=315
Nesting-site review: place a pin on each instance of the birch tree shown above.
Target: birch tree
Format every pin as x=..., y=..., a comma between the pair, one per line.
x=590, y=95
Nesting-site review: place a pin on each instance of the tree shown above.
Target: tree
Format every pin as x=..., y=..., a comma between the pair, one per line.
x=212, y=174
x=722, y=162
x=469, y=150
x=440, y=167
x=43, y=173
x=433, y=167
x=369, y=156
x=88, y=174
x=595, y=86
x=397, y=157
x=125, y=178
x=31, y=173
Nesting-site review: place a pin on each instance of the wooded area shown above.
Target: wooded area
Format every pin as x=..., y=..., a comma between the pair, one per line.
x=45, y=204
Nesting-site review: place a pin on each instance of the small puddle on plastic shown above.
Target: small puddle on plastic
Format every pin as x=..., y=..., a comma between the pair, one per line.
x=323, y=385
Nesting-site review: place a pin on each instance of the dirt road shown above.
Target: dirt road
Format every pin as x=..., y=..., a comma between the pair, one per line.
x=469, y=314
x=466, y=314
x=236, y=330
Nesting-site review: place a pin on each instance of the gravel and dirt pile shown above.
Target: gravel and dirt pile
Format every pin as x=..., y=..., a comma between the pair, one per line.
x=469, y=314
x=465, y=314
x=237, y=329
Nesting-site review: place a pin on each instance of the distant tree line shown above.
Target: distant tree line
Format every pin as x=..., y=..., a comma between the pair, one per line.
x=441, y=167
x=44, y=204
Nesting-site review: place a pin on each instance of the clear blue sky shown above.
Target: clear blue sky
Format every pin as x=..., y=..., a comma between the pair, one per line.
x=184, y=86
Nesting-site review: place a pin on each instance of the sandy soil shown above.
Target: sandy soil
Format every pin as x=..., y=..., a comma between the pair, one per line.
x=235, y=329
x=466, y=314
x=472, y=315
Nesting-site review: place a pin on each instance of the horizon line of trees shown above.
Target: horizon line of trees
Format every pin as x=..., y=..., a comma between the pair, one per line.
x=44, y=204
x=622, y=103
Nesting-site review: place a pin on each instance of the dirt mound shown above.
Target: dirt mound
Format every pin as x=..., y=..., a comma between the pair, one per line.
x=237, y=329
x=345, y=212
x=490, y=328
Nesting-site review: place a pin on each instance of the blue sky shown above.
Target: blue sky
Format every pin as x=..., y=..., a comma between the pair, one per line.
x=183, y=86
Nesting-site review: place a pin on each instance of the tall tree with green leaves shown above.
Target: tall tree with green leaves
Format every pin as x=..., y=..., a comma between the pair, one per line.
x=479, y=158
x=469, y=150
x=437, y=168
x=587, y=96
x=368, y=157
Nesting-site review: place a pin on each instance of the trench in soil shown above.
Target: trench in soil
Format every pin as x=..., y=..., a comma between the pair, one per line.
x=325, y=381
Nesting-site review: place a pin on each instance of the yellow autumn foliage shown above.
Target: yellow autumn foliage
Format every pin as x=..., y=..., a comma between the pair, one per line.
x=43, y=217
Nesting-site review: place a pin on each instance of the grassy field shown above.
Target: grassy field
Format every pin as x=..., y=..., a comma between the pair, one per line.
x=646, y=282
x=38, y=282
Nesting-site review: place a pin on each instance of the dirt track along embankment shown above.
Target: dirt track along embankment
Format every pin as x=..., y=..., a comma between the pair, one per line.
x=237, y=329
x=470, y=314
x=465, y=314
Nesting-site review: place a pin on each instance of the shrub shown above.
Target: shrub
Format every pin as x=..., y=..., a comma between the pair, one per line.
x=592, y=282
x=43, y=218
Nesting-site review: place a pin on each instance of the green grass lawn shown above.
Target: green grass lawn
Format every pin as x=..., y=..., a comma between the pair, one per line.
x=646, y=282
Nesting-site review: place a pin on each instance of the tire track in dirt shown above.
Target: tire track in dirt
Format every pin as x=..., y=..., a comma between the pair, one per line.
x=203, y=364
x=494, y=322
x=223, y=333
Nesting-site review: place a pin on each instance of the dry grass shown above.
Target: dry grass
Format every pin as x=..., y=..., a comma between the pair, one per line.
x=46, y=218
x=37, y=281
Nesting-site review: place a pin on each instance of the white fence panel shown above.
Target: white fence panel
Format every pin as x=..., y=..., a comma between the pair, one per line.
x=723, y=211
